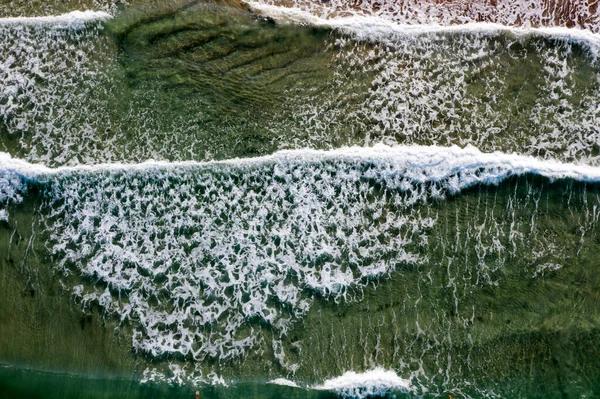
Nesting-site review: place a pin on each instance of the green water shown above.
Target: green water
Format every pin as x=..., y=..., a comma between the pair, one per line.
x=32, y=384
x=493, y=318
x=491, y=291
x=198, y=81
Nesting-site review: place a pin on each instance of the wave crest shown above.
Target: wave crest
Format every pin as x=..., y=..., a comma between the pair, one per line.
x=376, y=382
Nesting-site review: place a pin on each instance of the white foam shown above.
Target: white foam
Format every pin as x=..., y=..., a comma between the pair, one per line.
x=284, y=382
x=376, y=382
x=46, y=66
x=73, y=17
x=420, y=163
x=427, y=12
x=377, y=28
x=543, y=269
x=192, y=253
x=417, y=90
x=417, y=86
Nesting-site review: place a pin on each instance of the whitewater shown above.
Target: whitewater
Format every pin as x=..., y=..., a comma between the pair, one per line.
x=422, y=164
x=223, y=237
x=372, y=199
x=383, y=28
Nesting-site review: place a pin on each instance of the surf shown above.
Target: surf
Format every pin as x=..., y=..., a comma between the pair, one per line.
x=349, y=199
x=73, y=18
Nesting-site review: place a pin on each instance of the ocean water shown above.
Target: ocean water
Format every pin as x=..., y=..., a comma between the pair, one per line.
x=299, y=199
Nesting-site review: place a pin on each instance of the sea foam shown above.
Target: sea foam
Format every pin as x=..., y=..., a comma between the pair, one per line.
x=569, y=13
x=71, y=18
x=284, y=382
x=421, y=163
x=497, y=87
x=193, y=256
x=376, y=27
x=377, y=382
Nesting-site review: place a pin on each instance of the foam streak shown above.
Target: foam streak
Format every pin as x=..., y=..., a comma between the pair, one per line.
x=74, y=17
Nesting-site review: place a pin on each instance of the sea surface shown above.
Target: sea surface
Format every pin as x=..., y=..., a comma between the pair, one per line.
x=299, y=199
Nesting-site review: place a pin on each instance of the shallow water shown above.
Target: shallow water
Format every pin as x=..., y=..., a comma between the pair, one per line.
x=353, y=200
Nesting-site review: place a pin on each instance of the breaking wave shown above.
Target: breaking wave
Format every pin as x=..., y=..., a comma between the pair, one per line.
x=210, y=261
x=377, y=382
x=192, y=253
x=536, y=13
x=500, y=88
x=71, y=20
x=369, y=27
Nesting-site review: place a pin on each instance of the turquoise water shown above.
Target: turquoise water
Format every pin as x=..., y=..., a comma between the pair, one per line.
x=18, y=383
x=298, y=199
